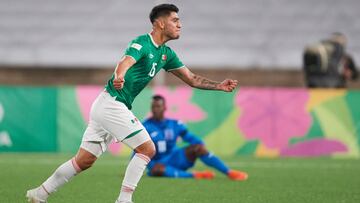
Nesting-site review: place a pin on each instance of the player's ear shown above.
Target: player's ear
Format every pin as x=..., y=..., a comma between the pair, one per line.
x=160, y=23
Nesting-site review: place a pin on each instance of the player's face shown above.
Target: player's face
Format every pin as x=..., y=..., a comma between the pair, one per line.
x=172, y=26
x=158, y=109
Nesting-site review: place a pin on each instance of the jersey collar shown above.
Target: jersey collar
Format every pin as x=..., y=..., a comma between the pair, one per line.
x=152, y=40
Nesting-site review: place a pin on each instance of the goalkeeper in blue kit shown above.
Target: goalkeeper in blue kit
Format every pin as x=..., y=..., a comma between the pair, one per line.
x=172, y=161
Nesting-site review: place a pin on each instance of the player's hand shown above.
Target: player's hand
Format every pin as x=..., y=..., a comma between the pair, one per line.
x=228, y=85
x=118, y=83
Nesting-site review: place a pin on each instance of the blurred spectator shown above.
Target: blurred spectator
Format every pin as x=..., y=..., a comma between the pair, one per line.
x=327, y=64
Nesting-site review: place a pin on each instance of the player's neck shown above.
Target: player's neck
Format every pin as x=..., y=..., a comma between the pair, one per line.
x=158, y=119
x=158, y=37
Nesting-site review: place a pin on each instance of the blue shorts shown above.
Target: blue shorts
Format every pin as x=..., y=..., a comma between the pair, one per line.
x=176, y=159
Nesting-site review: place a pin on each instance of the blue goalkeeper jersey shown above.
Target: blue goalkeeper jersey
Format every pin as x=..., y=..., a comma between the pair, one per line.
x=165, y=133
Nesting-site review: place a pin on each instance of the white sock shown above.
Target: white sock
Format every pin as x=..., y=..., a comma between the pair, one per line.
x=61, y=175
x=133, y=173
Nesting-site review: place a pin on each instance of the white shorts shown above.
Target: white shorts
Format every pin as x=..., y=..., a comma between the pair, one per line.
x=111, y=119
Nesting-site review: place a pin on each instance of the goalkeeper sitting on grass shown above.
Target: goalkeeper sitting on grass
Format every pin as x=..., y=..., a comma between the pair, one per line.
x=171, y=161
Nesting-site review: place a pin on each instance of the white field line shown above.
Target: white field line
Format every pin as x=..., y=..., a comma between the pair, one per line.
x=246, y=163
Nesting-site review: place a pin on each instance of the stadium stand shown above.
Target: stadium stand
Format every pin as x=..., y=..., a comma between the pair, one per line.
x=237, y=33
x=232, y=34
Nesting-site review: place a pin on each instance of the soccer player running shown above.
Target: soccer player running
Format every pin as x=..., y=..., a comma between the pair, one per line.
x=110, y=116
x=171, y=161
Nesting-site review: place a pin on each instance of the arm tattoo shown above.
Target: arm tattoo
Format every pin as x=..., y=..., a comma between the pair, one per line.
x=204, y=83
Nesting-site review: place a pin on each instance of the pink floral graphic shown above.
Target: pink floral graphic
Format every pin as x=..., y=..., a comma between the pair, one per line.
x=273, y=115
x=85, y=97
x=315, y=147
x=178, y=104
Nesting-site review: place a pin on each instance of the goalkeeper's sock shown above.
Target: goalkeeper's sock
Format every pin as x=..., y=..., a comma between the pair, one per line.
x=213, y=161
x=133, y=173
x=176, y=173
x=61, y=175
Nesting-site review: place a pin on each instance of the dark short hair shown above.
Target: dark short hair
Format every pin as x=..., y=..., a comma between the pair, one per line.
x=158, y=97
x=162, y=10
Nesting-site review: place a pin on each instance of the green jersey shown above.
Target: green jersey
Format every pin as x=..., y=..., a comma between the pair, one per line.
x=150, y=59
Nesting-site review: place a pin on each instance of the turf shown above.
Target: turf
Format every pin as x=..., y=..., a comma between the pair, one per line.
x=271, y=181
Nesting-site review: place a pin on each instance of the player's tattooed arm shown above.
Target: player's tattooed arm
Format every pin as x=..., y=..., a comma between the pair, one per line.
x=200, y=82
x=204, y=83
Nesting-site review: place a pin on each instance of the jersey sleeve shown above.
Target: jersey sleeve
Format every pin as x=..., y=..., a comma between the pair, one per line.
x=173, y=61
x=135, y=50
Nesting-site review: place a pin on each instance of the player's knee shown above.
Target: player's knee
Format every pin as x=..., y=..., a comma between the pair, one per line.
x=85, y=159
x=199, y=150
x=158, y=170
x=86, y=163
x=151, y=151
x=147, y=148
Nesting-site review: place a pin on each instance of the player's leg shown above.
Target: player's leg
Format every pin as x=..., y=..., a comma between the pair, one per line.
x=199, y=151
x=61, y=175
x=176, y=165
x=121, y=123
x=117, y=120
x=90, y=149
x=162, y=170
x=82, y=161
x=144, y=150
x=181, y=161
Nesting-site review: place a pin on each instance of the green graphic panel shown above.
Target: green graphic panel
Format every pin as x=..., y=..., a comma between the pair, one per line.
x=314, y=132
x=217, y=106
x=226, y=139
x=28, y=119
x=71, y=124
x=336, y=122
x=51, y=119
x=249, y=148
x=353, y=101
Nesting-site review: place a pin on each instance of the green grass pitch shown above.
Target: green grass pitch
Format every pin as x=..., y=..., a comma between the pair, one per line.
x=270, y=181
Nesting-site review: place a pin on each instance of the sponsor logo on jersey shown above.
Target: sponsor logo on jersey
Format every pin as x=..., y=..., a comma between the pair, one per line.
x=163, y=57
x=136, y=46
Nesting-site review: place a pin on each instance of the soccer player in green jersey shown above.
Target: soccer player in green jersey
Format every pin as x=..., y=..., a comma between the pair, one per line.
x=110, y=116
